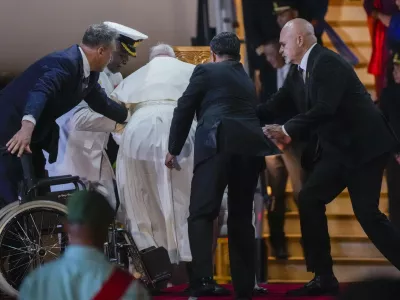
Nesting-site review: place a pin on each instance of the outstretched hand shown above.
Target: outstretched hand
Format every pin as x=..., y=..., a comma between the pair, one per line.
x=20, y=142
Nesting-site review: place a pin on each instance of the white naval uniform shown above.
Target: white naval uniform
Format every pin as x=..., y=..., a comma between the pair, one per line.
x=155, y=199
x=83, y=140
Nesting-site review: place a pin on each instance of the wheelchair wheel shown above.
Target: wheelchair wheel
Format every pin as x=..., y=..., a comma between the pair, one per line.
x=9, y=207
x=31, y=234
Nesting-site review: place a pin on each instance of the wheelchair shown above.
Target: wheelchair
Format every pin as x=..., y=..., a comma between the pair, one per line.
x=32, y=228
x=32, y=233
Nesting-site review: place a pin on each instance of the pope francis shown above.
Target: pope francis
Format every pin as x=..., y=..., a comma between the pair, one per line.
x=154, y=199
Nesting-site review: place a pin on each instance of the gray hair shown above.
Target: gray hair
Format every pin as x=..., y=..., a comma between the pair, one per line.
x=161, y=50
x=99, y=35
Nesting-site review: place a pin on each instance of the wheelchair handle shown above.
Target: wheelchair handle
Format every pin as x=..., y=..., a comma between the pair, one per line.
x=27, y=166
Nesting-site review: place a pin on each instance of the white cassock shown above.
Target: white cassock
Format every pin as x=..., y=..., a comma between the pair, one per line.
x=83, y=140
x=155, y=200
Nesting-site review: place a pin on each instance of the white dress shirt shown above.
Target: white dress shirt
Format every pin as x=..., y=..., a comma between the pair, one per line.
x=281, y=74
x=303, y=66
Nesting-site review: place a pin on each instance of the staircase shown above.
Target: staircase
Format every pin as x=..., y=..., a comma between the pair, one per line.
x=354, y=255
x=349, y=20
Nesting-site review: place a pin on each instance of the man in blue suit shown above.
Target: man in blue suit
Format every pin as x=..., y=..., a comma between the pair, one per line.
x=46, y=90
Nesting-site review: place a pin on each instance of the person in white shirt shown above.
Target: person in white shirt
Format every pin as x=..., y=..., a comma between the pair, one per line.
x=84, y=134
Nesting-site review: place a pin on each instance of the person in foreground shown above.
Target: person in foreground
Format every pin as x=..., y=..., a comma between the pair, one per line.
x=354, y=142
x=83, y=272
x=46, y=90
x=228, y=151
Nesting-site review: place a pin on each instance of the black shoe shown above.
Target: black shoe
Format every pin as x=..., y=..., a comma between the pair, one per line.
x=320, y=285
x=258, y=291
x=280, y=251
x=206, y=287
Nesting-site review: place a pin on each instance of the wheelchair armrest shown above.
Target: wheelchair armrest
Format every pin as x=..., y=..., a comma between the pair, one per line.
x=59, y=177
x=57, y=180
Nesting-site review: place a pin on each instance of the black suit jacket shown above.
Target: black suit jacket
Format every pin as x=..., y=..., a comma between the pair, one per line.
x=390, y=105
x=223, y=98
x=350, y=128
x=48, y=89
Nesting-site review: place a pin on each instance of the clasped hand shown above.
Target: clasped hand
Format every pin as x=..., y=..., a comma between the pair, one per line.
x=276, y=134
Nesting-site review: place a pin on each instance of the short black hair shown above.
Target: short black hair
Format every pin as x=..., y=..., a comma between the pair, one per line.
x=226, y=43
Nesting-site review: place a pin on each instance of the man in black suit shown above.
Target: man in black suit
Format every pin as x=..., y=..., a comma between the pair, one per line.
x=228, y=151
x=390, y=106
x=354, y=141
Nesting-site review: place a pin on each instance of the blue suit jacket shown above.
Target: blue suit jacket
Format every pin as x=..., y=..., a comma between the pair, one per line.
x=48, y=89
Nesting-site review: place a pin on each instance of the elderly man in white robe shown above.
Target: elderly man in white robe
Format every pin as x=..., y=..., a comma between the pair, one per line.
x=154, y=199
x=84, y=134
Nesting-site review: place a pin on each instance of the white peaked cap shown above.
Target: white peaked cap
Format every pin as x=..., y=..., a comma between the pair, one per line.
x=127, y=31
x=129, y=37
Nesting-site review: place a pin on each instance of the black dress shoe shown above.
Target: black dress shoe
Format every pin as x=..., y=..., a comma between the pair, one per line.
x=280, y=252
x=258, y=291
x=320, y=285
x=206, y=287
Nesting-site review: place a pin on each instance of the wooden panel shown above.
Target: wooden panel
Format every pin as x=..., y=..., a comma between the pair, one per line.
x=193, y=55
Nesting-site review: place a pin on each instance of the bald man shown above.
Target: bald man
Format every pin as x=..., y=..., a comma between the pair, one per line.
x=353, y=142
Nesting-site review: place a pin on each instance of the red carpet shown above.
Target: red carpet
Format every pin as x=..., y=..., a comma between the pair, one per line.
x=276, y=292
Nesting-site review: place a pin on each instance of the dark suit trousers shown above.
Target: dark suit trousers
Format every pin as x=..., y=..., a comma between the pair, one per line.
x=209, y=181
x=325, y=182
x=277, y=175
x=393, y=180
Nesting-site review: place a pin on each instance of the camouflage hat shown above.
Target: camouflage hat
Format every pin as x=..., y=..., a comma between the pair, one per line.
x=90, y=208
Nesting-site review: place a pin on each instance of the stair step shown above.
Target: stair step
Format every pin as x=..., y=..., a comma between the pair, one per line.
x=345, y=13
x=345, y=192
x=354, y=247
x=345, y=3
x=364, y=76
x=338, y=224
x=341, y=205
x=345, y=269
x=361, y=50
x=352, y=33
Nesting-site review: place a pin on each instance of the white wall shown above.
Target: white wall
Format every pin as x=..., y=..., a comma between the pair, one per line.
x=30, y=29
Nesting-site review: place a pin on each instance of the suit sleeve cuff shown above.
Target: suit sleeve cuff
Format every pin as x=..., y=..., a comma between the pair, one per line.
x=29, y=118
x=284, y=131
